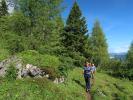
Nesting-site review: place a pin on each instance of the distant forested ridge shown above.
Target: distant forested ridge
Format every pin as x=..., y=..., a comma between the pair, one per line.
x=121, y=56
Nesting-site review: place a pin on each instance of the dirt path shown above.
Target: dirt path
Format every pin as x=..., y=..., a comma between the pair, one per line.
x=88, y=96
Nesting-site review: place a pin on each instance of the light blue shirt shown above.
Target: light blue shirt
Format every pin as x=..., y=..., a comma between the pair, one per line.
x=87, y=70
x=93, y=68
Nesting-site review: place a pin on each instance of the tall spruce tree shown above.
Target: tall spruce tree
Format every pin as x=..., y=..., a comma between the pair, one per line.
x=3, y=8
x=130, y=57
x=127, y=70
x=74, y=36
x=98, y=46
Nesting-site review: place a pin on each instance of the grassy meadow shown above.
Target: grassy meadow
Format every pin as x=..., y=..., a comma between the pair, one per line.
x=105, y=88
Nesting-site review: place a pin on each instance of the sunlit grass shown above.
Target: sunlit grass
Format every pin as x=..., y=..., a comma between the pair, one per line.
x=73, y=88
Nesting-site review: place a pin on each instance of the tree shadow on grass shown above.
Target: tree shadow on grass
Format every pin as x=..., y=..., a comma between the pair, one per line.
x=79, y=83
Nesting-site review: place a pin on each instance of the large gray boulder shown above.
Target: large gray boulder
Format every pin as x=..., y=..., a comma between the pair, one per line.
x=32, y=71
x=24, y=73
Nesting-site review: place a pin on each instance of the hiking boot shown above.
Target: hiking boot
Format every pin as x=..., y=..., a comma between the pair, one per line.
x=87, y=90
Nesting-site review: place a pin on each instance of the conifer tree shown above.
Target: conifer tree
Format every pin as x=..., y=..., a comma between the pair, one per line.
x=3, y=8
x=74, y=36
x=45, y=20
x=130, y=57
x=98, y=46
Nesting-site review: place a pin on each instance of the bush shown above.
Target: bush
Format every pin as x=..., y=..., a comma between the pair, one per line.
x=12, y=42
x=4, y=52
x=19, y=24
x=15, y=45
x=67, y=63
x=55, y=49
x=11, y=73
x=118, y=68
x=53, y=73
x=5, y=24
x=32, y=43
x=113, y=64
x=79, y=59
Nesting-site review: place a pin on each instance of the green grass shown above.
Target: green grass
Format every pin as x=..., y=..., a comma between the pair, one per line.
x=72, y=89
x=113, y=88
x=38, y=89
x=110, y=88
x=28, y=89
x=4, y=53
x=35, y=58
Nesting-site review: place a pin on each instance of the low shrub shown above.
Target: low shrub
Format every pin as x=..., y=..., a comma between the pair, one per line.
x=53, y=73
x=78, y=58
x=67, y=63
x=15, y=46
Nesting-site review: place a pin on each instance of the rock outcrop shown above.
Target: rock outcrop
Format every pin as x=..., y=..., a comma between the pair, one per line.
x=59, y=80
x=27, y=70
x=6, y=63
x=33, y=71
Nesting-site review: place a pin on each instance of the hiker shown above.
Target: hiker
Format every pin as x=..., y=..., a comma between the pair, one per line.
x=93, y=71
x=87, y=75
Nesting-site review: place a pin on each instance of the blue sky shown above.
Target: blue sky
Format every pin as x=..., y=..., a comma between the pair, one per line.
x=115, y=16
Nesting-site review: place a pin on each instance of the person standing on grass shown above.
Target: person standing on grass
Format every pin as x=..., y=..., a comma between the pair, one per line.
x=93, y=71
x=87, y=75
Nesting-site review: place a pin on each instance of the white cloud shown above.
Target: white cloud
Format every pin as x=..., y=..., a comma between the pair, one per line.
x=119, y=49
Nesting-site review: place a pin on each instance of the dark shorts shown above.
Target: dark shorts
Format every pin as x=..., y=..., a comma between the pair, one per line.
x=87, y=81
x=87, y=75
